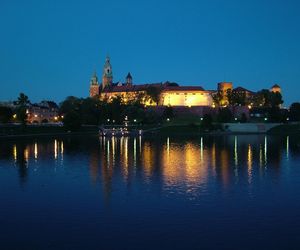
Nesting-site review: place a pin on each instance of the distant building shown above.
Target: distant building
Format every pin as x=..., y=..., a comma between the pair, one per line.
x=171, y=94
x=43, y=112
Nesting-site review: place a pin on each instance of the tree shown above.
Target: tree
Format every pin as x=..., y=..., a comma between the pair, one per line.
x=275, y=99
x=224, y=115
x=90, y=111
x=154, y=94
x=236, y=98
x=168, y=112
x=206, y=123
x=22, y=103
x=71, y=103
x=134, y=112
x=217, y=98
x=269, y=99
x=244, y=118
x=295, y=111
x=23, y=100
x=72, y=120
x=6, y=114
x=257, y=100
x=116, y=108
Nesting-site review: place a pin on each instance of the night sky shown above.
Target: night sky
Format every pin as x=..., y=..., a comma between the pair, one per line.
x=49, y=49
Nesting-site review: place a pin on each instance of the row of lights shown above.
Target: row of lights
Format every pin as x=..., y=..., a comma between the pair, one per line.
x=55, y=117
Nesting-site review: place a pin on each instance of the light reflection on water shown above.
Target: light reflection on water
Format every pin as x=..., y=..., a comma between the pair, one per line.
x=188, y=165
x=149, y=186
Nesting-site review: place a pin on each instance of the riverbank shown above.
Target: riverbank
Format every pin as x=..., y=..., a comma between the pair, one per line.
x=193, y=129
x=17, y=131
x=166, y=129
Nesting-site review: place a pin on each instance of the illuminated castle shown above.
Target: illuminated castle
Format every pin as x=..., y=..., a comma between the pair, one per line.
x=171, y=94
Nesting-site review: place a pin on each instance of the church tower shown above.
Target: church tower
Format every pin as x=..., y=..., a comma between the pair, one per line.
x=107, y=74
x=129, y=79
x=94, y=86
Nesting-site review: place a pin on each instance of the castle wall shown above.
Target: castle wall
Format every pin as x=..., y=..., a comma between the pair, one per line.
x=184, y=98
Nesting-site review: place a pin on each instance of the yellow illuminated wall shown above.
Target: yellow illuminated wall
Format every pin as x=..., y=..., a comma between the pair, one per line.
x=167, y=98
x=189, y=99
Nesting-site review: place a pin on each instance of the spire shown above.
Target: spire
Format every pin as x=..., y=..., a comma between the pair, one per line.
x=128, y=79
x=94, y=79
x=128, y=76
x=107, y=76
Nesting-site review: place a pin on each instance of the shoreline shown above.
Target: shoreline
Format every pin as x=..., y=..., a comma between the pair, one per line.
x=173, y=130
x=26, y=136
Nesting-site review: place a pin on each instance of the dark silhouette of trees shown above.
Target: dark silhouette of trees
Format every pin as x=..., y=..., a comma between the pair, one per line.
x=295, y=111
x=236, y=98
x=207, y=122
x=217, y=98
x=224, y=115
x=153, y=94
x=22, y=104
x=168, y=112
x=6, y=114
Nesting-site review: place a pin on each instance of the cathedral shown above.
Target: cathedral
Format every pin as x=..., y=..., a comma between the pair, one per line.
x=171, y=94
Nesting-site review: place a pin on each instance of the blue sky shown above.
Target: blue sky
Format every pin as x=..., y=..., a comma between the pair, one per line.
x=49, y=49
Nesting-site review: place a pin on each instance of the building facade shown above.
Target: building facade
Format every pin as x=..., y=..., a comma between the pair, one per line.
x=170, y=94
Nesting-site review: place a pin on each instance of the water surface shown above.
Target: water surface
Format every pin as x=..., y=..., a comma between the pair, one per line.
x=234, y=192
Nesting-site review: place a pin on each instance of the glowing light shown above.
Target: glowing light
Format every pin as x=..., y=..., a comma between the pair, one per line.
x=260, y=156
x=265, y=149
x=236, y=151
x=55, y=118
x=35, y=116
x=113, y=139
x=26, y=154
x=15, y=152
x=35, y=151
x=168, y=119
x=168, y=147
x=108, y=153
x=134, y=152
x=249, y=162
x=287, y=146
x=140, y=144
x=55, y=149
x=15, y=116
x=62, y=147
x=201, y=148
